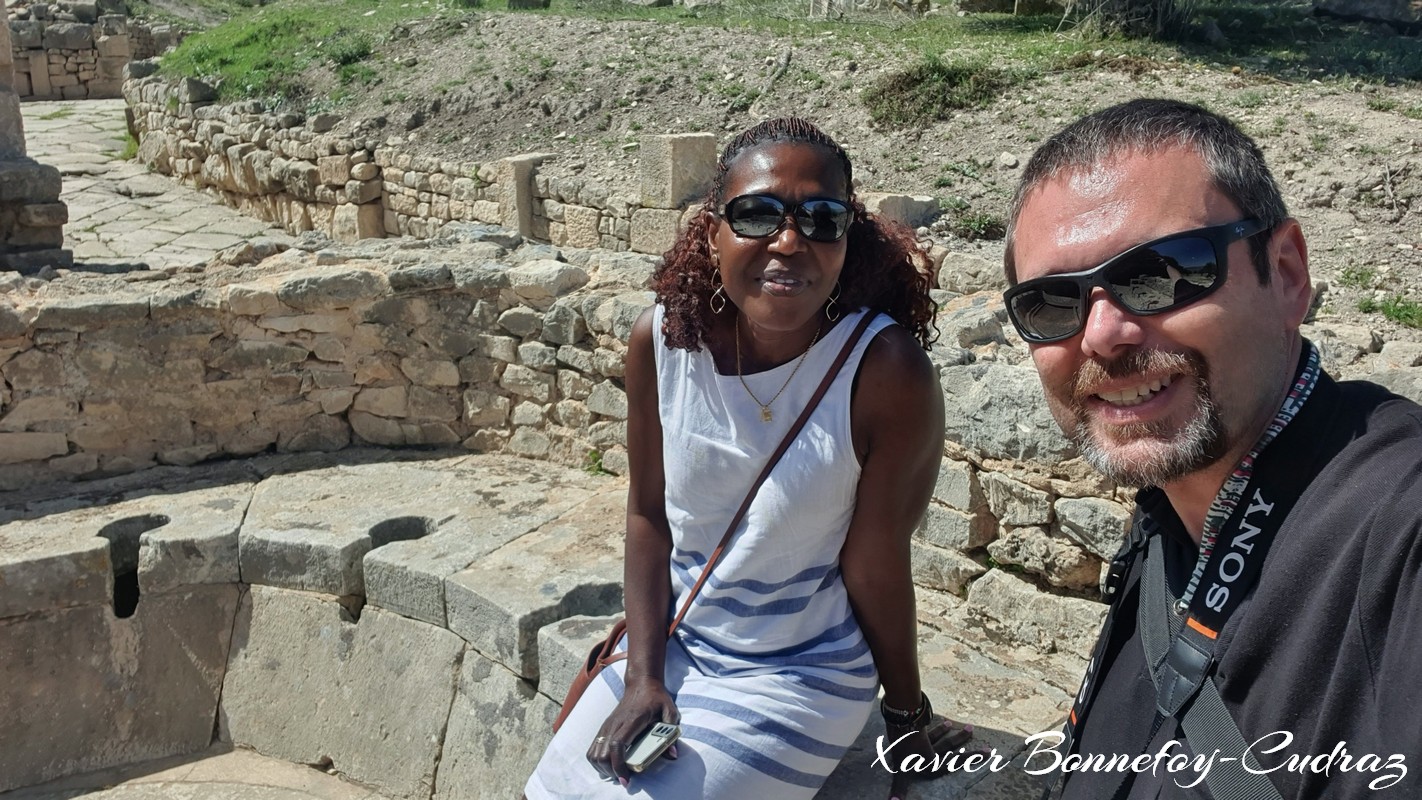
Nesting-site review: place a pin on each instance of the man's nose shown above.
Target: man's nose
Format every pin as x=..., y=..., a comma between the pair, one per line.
x=1110, y=329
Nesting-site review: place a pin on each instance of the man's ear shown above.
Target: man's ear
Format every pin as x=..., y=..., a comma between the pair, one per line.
x=1288, y=259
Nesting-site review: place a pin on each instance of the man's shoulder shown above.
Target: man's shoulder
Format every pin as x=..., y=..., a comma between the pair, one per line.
x=1387, y=426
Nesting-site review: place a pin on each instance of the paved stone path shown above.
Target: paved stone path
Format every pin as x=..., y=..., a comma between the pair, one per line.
x=220, y=773
x=119, y=213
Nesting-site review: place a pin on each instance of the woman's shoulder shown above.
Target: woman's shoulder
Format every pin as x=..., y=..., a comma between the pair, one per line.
x=895, y=360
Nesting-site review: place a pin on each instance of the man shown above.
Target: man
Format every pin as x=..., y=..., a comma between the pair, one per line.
x=1266, y=622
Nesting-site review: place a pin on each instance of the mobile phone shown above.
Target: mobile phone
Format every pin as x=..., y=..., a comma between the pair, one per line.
x=652, y=743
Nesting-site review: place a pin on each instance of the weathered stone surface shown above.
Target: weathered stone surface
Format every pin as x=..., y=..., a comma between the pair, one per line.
x=511, y=498
x=676, y=168
x=498, y=728
x=1011, y=607
x=562, y=648
x=972, y=321
x=958, y=486
x=330, y=287
x=966, y=274
x=539, y=283
x=95, y=691
x=373, y=697
x=1406, y=382
x=1055, y=558
x=608, y=400
x=1013, y=502
x=87, y=312
x=956, y=530
x=910, y=210
x=45, y=564
x=997, y=411
x=570, y=566
x=654, y=230
x=942, y=569
x=625, y=270
x=521, y=321
x=528, y=383
x=16, y=448
x=1095, y=524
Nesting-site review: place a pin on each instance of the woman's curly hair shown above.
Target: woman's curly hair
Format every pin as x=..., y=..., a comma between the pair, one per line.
x=885, y=269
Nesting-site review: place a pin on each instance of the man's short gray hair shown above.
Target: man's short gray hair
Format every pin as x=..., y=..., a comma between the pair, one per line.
x=1234, y=162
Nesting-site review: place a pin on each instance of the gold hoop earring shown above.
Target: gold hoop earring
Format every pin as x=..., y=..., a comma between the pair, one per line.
x=831, y=313
x=719, y=294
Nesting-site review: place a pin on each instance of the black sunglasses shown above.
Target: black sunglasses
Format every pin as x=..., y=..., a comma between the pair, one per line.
x=1151, y=278
x=757, y=216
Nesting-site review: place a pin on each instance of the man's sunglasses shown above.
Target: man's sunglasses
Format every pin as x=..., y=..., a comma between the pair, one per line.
x=1151, y=278
x=757, y=216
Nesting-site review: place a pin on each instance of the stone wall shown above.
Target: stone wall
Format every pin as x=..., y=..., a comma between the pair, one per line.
x=301, y=174
x=70, y=60
x=31, y=215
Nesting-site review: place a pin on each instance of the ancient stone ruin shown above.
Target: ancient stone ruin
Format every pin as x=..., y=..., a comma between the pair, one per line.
x=31, y=216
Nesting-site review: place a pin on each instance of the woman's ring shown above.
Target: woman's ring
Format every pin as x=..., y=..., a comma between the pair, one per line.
x=599, y=740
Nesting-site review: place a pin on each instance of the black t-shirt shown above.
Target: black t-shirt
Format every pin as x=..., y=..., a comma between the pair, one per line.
x=1328, y=646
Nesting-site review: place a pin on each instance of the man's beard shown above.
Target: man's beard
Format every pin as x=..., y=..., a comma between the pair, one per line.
x=1177, y=452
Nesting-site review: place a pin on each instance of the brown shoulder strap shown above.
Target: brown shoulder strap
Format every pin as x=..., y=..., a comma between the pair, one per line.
x=774, y=459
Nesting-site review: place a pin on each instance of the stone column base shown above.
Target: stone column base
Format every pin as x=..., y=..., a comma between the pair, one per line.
x=31, y=217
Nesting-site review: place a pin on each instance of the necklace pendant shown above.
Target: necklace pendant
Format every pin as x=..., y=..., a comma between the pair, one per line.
x=765, y=413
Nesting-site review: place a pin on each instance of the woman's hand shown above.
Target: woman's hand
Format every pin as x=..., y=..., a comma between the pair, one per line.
x=938, y=738
x=644, y=703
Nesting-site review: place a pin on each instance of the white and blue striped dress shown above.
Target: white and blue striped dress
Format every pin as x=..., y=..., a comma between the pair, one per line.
x=769, y=669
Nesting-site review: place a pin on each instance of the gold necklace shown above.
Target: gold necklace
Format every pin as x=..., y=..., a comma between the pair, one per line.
x=765, y=415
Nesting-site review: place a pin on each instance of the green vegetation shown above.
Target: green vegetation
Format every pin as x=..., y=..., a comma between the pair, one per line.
x=130, y=147
x=1358, y=277
x=59, y=113
x=1396, y=308
x=592, y=463
x=932, y=90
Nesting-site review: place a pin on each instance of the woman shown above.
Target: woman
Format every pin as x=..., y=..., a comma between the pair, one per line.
x=774, y=670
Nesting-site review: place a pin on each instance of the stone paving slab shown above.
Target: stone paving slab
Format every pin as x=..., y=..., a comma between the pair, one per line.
x=220, y=773
x=118, y=211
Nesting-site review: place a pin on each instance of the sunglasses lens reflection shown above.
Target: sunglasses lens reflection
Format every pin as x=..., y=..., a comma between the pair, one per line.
x=758, y=216
x=1165, y=275
x=1049, y=310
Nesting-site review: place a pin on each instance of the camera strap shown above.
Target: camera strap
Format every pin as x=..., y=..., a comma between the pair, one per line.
x=1180, y=637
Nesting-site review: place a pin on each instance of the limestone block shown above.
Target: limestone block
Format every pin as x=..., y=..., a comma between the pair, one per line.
x=627, y=270
x=529, y=383
x=351, y=223
x=530, y=443
x=430, y=372
x=483, y=409
x=539, y=283
x=608, y=400
x=654, y=230
x=942, y=569
x=43, y=215
x=537, y=355
x=1404, y=382
x=408, y=576
x=384, y=401
x=331, y=287
x=997, y=411
x=958, y=486
x=1015, y=503
x=23, y=180
x=573, y=385
x=1055, y=558
x=562, y=648
x=27, y=34
x=68, y=36
x=577, y=358
x=910, y=210
x=46, y=565
x=371, y=697
x=1095, y=524
x=498, y=728
x=513, y=179
x=569, y=566
x=334, y=170
x=98, y=691
x=428, y=405
x=972, y=321
x=113, y=47
x=563, y=324
x=966, y=273
x=580, y=226
x=675, y=169
x=12, y=124
x=19, y=447
x=377, y=430
x=248, y=355
x=956, y=530
x=1013, y=608
x=521, y=321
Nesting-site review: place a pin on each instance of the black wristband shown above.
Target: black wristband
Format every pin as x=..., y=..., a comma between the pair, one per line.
x=914, y=719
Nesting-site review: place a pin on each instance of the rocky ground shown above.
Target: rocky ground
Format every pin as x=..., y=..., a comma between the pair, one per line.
x=492, y=84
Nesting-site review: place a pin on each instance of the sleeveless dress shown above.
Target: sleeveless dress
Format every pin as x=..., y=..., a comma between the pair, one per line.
x=769, y=670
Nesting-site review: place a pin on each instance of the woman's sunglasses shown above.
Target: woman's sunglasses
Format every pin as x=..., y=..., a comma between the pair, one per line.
x=1151, y=278
x=757, y=216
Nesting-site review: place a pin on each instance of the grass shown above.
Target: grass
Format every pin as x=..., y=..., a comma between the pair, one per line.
x=1358, y=277
x=592, y=463
x=130, y=147
x=1396, y=308
x=58, y=113
x=933, y=89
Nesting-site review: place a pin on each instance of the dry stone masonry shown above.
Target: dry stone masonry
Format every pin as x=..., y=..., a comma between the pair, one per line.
x=72, y=51
x=31, y=215
x=303, y=175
